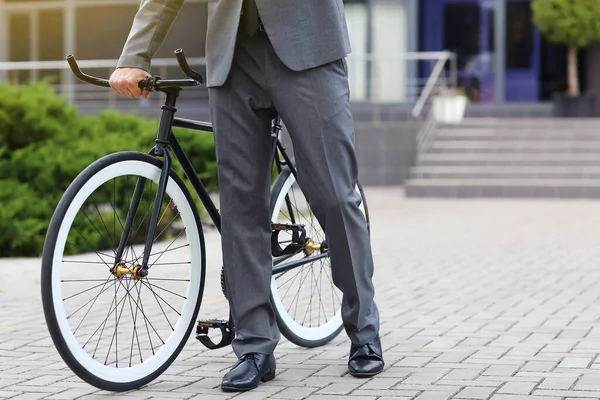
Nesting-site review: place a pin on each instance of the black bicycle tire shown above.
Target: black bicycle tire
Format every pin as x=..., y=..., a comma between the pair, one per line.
x=46, y=271
x=283, y=328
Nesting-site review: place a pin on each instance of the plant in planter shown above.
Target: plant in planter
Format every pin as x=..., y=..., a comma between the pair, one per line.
x=449, y=105
x=576, y=24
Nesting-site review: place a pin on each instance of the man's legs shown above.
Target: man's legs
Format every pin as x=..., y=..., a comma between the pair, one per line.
x=314, y=106
x=241, y=114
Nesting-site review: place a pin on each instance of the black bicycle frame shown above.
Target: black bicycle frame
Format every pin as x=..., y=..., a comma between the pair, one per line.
x=166, y=138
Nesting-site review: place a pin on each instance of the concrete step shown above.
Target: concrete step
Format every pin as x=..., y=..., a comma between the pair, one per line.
x=544, y=123
x=516, y=188
x=549, y=158
x=516, y=159
x=515, y=134
x=514, y=146
x=505, y=172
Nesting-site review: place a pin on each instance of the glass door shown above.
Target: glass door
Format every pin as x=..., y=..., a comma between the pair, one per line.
x=523, y=48
x=465, y=27
x=469, y=32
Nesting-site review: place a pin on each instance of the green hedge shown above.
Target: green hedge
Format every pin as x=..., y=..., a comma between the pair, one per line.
x=45, y=144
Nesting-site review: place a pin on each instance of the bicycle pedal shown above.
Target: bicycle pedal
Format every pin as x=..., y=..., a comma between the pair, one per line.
x=203, y=328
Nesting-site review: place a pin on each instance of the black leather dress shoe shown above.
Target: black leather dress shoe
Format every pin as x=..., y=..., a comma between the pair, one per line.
x=248, y=372
x=366, y=360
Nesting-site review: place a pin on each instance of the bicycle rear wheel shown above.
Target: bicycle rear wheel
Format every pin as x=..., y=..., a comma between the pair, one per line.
x=305, y=299
x=114, y=329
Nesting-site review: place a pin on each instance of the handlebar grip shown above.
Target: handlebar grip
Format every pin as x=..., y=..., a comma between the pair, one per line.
x=85, y=77
x=147, y=84
x=181, y=59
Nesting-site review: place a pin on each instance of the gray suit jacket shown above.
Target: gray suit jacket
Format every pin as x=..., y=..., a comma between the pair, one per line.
x=304, y=33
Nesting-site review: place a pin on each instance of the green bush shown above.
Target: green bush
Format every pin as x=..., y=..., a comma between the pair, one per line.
x=46, y=144
x=573, y=23
x=32, y=114
x=24, y=218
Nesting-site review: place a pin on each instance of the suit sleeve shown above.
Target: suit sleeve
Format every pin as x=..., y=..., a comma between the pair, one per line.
x=150, y=27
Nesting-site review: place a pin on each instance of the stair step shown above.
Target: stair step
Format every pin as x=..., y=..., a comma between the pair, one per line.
x=506, y=159
x=515, y=134
x=530, y=188
x=562, y=123
x=522, y=146
x=545, y=157
x=509, y=171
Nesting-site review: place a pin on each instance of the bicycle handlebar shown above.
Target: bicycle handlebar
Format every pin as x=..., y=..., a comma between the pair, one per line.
x=148, y=84
x=185, y=67
x=85, y=77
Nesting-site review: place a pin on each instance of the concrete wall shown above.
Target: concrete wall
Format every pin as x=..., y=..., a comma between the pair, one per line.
x=387, y=73
x=390, y=39
x=357, y=20
x=385, y=152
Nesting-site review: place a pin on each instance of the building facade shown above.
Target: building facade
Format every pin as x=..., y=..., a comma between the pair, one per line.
x=47, y=30
x=501, y=56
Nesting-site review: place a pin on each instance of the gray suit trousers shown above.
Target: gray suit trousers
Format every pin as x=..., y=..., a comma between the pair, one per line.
x=314, y=105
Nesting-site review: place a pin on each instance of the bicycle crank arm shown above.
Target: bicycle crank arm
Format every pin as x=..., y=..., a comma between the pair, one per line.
x=227, y=333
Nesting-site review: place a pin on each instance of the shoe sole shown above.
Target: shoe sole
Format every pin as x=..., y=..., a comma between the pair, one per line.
x=364, y=374
x=268, y=377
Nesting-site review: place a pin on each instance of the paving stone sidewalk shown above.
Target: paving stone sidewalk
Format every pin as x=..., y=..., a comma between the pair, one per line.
x=479, y=299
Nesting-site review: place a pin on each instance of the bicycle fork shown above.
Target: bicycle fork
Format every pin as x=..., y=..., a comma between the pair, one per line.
x=161, y=149
x=141, y=270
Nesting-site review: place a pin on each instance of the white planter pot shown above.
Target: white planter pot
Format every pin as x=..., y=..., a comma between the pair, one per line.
x=449, y=109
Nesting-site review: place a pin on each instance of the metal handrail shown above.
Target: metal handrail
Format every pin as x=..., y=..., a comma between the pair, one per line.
x=440, y=58
x=434, y=77
x=98, y=63
x=429, y=122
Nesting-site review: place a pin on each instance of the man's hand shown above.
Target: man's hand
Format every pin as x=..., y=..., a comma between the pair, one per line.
x=125, y=81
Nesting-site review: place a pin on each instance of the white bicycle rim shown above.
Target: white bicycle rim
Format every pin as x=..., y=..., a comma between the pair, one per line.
x=303, y=332
x=152, y=364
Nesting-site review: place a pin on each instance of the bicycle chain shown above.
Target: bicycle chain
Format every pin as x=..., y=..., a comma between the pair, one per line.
x=223, y=288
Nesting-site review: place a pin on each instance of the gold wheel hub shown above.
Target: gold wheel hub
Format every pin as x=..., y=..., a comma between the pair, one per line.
x=121, y=270
x=311, y=247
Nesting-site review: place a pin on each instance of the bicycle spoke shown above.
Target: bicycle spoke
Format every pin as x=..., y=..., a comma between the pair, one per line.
x=115, y=335
x=134, y=215
x=101, y=219
x=89, y=249
x=159, y=252
x=83, y=291
x=168, y=291
x=89, y=301
x=173, y=263
x=157, y=296
x=170, y=244
x=134, y=334
x=141, y=307
x=83, y=262
x=97, y=230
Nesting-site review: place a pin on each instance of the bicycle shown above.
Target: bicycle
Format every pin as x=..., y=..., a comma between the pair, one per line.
x=126, y=267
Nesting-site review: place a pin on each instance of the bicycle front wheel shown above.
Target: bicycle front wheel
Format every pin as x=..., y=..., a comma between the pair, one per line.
x=305, y=299
x=115, y=329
